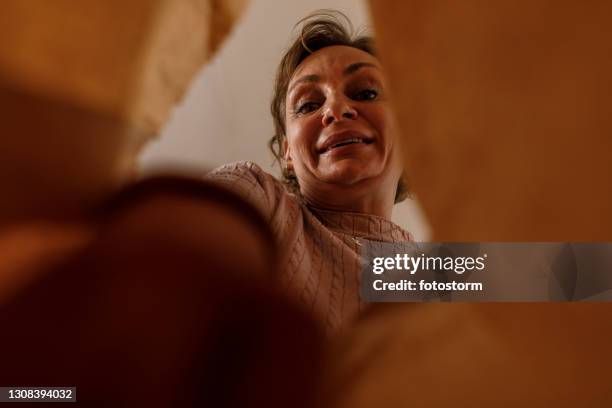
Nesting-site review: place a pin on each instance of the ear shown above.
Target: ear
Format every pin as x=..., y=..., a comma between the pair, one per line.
x=287, y=155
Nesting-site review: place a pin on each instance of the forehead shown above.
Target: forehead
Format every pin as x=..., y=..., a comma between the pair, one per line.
x=332, y=60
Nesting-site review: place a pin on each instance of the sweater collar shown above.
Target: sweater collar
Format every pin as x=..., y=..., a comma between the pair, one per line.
x=361, y=225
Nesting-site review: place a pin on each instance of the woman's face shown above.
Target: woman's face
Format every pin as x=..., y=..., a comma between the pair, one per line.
x=338, y=123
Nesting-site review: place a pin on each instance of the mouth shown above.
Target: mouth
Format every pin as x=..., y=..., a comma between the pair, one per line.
x=344, y=139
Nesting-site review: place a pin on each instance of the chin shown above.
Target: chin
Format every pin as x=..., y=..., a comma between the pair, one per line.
x=348, y=172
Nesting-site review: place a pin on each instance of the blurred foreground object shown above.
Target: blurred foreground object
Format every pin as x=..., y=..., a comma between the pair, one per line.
x=128, y=60
x=504, y=110
x=173, y=303
x=84, y=85
x=163, y=294
x=475, y=355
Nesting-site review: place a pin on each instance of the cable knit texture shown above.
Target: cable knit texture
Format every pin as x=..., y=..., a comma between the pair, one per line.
x=320, y=250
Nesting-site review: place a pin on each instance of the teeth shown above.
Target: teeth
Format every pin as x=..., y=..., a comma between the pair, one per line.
x=348, y=141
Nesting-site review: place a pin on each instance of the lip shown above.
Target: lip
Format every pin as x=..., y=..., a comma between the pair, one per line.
x=339, y=137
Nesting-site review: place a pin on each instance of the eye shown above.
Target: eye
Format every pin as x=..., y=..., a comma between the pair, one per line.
x=368, y=94
x=307, y=107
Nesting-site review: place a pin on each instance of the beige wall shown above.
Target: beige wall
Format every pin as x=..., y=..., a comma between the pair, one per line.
x=225, y=116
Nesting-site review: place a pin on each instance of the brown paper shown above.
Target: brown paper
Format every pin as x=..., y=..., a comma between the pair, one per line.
x=504, y=110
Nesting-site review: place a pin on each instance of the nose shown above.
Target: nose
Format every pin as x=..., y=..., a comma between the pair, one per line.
x=338, y=108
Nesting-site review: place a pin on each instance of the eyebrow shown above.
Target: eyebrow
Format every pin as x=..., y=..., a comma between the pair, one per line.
x=347, y=71
x=305, y=78
x=357, y=65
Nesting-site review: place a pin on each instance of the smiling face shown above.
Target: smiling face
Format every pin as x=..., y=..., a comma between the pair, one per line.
x=339, y=134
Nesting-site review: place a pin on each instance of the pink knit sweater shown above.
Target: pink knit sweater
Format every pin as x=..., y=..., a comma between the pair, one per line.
x=320, y=249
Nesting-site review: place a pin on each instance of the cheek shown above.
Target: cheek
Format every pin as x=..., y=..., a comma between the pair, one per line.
x=381, y=121
x=377, y=116
x=302, y=136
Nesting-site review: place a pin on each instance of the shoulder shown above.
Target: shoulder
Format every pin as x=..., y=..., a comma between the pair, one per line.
x=241, y=170
x=244, y=176
x=252, y=183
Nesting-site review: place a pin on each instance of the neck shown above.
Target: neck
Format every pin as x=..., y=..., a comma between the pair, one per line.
x=58, y=161
x=349, y=199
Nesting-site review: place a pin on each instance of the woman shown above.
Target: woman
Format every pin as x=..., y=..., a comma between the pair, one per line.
x=341, y=173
